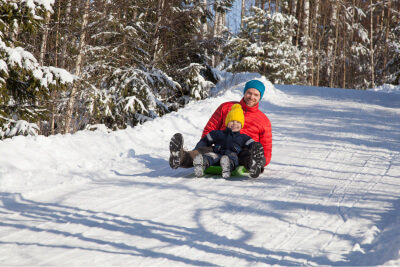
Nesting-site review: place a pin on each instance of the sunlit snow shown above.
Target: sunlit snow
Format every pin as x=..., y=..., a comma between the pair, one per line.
x=330, y=195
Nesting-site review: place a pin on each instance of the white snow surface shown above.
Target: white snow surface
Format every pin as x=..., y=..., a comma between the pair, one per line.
x=330, y=196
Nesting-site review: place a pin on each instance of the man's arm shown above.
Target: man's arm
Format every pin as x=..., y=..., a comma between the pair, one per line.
x=266, y=141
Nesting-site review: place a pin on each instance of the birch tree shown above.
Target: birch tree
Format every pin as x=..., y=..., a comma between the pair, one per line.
x=204, y=22
x=243, y=13
x=66, y=34
x=44, y=38
x=306, y=36
x=78, y=66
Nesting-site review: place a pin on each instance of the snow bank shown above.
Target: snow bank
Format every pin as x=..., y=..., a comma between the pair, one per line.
x=387, y=88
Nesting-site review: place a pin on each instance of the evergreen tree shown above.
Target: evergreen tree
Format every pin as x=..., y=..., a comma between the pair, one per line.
x=392, y=67
x=265, y=46
x=25, y=86
x=145, y=60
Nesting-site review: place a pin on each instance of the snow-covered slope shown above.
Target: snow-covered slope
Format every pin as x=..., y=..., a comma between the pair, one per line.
x=331, y=195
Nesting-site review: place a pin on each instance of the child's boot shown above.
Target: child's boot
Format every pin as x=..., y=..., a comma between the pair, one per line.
x=226, y=166
x=200, y=164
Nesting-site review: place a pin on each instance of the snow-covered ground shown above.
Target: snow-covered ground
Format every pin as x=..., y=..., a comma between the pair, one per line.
x=331, y=195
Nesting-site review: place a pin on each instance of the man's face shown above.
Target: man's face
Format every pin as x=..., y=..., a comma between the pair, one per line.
x=252, y=97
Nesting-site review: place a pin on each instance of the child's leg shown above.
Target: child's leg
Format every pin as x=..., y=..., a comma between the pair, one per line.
x=228, y=164
x=202, y=162
x=225, y=163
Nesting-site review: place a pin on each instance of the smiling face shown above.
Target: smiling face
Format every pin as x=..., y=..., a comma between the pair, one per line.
x=252, y=97
x=235, y=126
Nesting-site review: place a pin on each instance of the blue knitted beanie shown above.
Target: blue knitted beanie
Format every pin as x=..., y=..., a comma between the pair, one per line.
x=256, y=84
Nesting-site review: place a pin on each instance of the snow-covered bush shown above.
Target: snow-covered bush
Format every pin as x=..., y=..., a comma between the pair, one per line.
x=134, y=96
x=13, y=128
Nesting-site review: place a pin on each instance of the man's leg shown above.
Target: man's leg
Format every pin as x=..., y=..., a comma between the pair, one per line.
x=181, y=158
x=175, y=150
x=253, y=160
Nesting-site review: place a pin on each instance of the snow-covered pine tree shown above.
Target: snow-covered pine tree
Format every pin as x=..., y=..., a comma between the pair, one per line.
x=265, y=46
x=284, y=62
x=392, y=66
x=387, y=42
x=25, y=86
x=145, y=59
x=124, y=67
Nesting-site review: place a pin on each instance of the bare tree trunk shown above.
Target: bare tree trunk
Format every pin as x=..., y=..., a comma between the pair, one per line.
x=53, y=94
x=382, y=16
x=344, y=60
x=351, y=66
x=57, y=33
x=293, y=8
x=305, y=39
x=319, y=52
x=330, y=45
x=222, y=23
x=293, y=13
x=372, y=47
x=42, y=53
x=300, y=19
x=66, y=36
x=78, y=66
x=385, y=54
x=124, y=45
x=306, y=23
x=243, y=13
x=336, y=45
x=215, y=34
x=44, y=39
x=204, y=26
x=220, y=26
x=156, y=40
x=314, y=35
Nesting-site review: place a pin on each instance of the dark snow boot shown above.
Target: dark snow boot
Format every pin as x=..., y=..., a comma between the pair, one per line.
x=176, y=150
x=257, y=155
x=226, y=166
x=200, y=164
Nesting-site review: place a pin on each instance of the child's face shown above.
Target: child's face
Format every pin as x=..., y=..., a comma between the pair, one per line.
x=235, y=126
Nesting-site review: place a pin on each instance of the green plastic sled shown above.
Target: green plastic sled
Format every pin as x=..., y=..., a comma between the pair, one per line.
x=217, y=170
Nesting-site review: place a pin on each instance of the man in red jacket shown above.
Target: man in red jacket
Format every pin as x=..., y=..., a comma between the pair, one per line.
x=257, y=126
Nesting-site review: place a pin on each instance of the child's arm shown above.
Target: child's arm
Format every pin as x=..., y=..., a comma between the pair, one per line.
x=205, y=141
x=248, y=142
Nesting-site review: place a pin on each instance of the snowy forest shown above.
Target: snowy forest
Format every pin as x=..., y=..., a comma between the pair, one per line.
x=68, y=65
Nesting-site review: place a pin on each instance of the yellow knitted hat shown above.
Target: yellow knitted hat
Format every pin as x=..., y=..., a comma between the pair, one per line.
x=236, y=114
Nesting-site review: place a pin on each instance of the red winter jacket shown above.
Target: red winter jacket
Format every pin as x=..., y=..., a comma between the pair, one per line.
x=256, y=125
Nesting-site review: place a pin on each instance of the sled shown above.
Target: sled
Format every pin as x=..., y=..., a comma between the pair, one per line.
x=217, y=170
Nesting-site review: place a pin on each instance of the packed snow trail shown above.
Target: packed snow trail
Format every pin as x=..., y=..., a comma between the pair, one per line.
x=330, y=195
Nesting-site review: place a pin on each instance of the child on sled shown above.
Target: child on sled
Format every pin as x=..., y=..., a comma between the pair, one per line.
x=226, y=145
